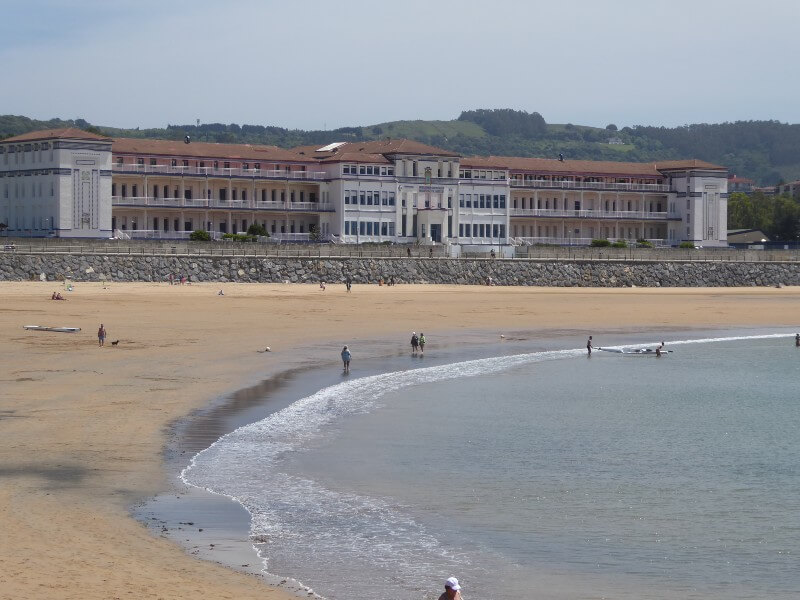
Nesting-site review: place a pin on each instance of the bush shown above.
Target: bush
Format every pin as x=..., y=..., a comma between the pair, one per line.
x=620, y=244
x=200, y=235
x=686, y=245
x=239, y=237
x=601, y=243
x=256, y=230
x=644, y=244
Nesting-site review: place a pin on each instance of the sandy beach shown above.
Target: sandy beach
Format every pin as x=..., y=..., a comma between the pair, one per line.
x=83, y=428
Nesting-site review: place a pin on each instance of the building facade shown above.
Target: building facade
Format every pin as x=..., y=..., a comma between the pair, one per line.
x=56, y=183
x=377, y=191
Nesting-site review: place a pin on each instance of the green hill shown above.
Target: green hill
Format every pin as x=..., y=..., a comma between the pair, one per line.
x=766, y=151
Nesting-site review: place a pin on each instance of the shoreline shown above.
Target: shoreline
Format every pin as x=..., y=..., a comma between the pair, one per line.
x=226, y=524
x=86, y=428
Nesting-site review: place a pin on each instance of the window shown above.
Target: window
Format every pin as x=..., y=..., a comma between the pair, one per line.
x=174, y=162
x=496, y=201
x=577, y=204
x=461, y=200
x=502, y=200
x=390, y=170
x=226, y=165
x=361, y=227
x=153, y=162
x=113, y=190
x=362, y=198
x=495, y=230
x=362, y=170
x=257, y=166
x=502, y=230
x=140, y=162
x=166, y=191
x=469, y=200
x=134, y=190
x=245, y=166
x=385, y=198
x=391, y=198
x=185, y=164
x=124, y=190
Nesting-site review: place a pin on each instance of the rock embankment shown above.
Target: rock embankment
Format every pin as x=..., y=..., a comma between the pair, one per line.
x=523, y=272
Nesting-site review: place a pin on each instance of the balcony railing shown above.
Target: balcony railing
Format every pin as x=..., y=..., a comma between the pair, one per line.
x=577, y=241
x=588, y=214
x=217, y=203
x=589, y=185
x=212, y=172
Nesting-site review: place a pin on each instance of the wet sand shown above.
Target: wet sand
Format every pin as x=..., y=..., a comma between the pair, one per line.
x=84, y=428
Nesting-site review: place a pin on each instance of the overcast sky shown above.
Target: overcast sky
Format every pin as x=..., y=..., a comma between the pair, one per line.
x=314, y=65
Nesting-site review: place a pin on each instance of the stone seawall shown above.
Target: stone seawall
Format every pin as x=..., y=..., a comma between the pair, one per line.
x=576, y=273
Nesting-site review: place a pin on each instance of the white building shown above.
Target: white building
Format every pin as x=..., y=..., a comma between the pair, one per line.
x=355, y=192
x=56, y=182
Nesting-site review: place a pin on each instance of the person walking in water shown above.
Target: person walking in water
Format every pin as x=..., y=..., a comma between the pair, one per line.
x=422, y=343
x=101, y=335
x=346, y=359
x=797, y=341
x=414, y=342
x=589, y=345
x=451, y=590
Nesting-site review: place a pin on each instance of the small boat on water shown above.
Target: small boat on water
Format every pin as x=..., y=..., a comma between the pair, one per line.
x=56, y=329
x=635, y=351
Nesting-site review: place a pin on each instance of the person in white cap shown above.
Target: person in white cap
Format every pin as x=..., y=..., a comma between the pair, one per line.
x=451, y=590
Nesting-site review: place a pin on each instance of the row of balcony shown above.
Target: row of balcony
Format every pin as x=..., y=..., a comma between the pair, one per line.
x=578, y=241
x=592, y=214
x=212, y=172
x=216, y=203
x=589, y=185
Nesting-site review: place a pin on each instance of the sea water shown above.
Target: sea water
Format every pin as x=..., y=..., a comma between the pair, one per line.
x=546, y=474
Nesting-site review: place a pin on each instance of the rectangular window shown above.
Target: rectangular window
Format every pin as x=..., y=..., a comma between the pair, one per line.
x=496, y=201
x=384, y=228
x=174, y=162
x=385, y=198
x=390, y=170
x=347, y=227
x=134, y=190
x=495, y=230
x=140, y=162
x=502, y=231
x=369, y=227
x=391, y=229
x=362, y=170
x=362, y=197
x=361, y=227
x=124, y=190
x=226, y=165
x=461, y=200
x=391, y=198
x=152, y=162
x=502, y=200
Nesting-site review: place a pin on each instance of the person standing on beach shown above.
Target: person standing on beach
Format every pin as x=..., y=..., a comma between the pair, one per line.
x=422, y=343
x=101, y=335
x=414, y=342
x=348, y=283
x=589, y=345
x=797, y=341
x=346, y=359
x=452, y=591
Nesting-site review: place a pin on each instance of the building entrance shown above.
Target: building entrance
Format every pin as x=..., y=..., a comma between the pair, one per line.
x=436, y=232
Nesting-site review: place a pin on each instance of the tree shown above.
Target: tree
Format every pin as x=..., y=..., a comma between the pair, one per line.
x=256, y=229
x=611, y=127
x=315, y=235
x=200, y=235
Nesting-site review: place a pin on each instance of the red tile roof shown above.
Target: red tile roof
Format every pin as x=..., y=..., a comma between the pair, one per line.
x=669, y=165
x=566, y=167
x=378, y=147
x=66, y=133
x=207, y=150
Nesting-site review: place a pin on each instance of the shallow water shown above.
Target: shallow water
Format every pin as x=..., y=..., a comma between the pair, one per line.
x=614, y=476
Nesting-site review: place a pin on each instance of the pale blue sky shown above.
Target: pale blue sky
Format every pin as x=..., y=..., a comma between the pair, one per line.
x=314, y=64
